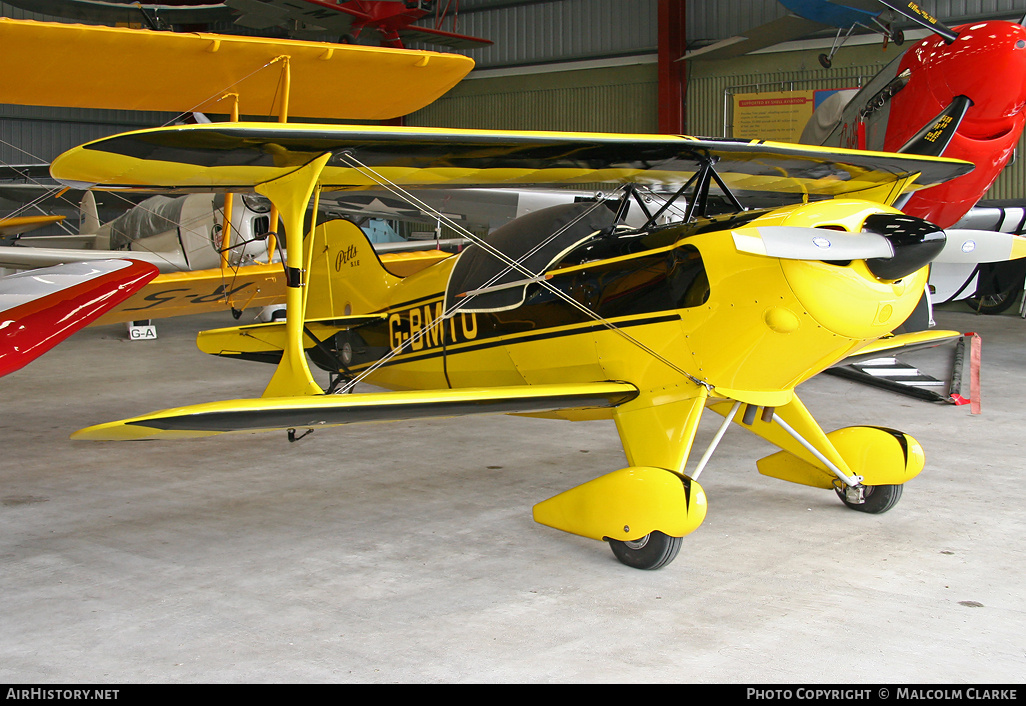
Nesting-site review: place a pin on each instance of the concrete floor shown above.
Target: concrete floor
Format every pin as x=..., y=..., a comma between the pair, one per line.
x=406, y=552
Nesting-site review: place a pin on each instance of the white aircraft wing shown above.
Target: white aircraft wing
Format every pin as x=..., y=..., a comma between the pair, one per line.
x=23, y=258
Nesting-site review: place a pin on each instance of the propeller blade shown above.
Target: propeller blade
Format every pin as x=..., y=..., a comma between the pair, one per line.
x=970, y=247
x=935, y=137
x=795, y=243
x=912, y=11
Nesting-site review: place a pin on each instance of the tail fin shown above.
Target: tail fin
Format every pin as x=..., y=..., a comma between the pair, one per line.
x=346, y=277
x=88, y=218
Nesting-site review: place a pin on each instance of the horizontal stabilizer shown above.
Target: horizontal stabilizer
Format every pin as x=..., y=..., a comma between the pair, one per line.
x=257, y=340
x=901, y=343
x=936, y=135
x=87, y=240
x=283, y=413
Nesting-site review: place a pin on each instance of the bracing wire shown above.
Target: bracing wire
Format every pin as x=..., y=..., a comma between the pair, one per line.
x=502, y=257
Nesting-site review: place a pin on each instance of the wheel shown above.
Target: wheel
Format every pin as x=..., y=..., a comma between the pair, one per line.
x=879, y=498
x=824, y=61
x=650, y=552
x=898, y=37
x=995, y=303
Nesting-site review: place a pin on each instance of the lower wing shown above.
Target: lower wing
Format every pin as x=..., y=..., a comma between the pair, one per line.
x=284, y=413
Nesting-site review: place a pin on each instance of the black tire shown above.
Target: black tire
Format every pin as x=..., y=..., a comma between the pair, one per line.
x=824, y=61
x=879, y=498
x=995, y=303
x=898, y=37
x=652, y=551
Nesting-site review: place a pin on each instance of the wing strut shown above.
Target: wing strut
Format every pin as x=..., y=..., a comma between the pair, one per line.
x=699, y=202
x=290, y=194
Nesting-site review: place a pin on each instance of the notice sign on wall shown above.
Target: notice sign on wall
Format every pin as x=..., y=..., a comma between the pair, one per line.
x=779, y=116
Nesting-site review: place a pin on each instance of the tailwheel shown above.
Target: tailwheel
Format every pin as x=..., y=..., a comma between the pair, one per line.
x=878, y=498
x=652, y=551
x=825, y=61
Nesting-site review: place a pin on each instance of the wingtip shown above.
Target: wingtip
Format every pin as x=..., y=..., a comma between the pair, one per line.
x=125, y=430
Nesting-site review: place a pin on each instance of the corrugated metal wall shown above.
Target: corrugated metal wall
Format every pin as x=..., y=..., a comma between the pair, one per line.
x=621, y=99
x=30, y=135
x=707, y=106
x=528, y=32
x=712, y=83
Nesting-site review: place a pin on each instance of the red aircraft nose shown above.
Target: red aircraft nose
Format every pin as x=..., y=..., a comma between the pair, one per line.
x=987, y=64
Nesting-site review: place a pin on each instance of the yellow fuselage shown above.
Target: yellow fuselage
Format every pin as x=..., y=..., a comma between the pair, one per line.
x=666, y=306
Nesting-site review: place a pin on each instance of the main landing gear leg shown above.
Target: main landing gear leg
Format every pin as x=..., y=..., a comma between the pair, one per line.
x=657, y=549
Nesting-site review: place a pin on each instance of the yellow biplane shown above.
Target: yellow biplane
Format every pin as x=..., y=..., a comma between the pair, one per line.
x=567, y=313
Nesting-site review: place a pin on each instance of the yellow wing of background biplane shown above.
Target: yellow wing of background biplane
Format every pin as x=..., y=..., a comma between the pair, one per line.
x=71, y=65
x=241, y=155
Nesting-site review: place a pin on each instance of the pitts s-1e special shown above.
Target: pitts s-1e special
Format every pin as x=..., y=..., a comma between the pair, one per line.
x=567, y=312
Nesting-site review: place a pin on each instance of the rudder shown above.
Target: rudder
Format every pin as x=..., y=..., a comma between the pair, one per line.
x=346, y=276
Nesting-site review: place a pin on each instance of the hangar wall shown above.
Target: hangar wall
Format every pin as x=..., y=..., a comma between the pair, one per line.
x=525, y=80
x=532, y=32
x=710, y=83
x=615, y=99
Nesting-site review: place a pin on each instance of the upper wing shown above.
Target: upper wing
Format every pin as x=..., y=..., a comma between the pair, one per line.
x=269, y=414
x=131, y=69
x=39, y=309
x=240, y=155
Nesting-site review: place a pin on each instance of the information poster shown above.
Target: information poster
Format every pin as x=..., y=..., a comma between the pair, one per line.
x=778, y=116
